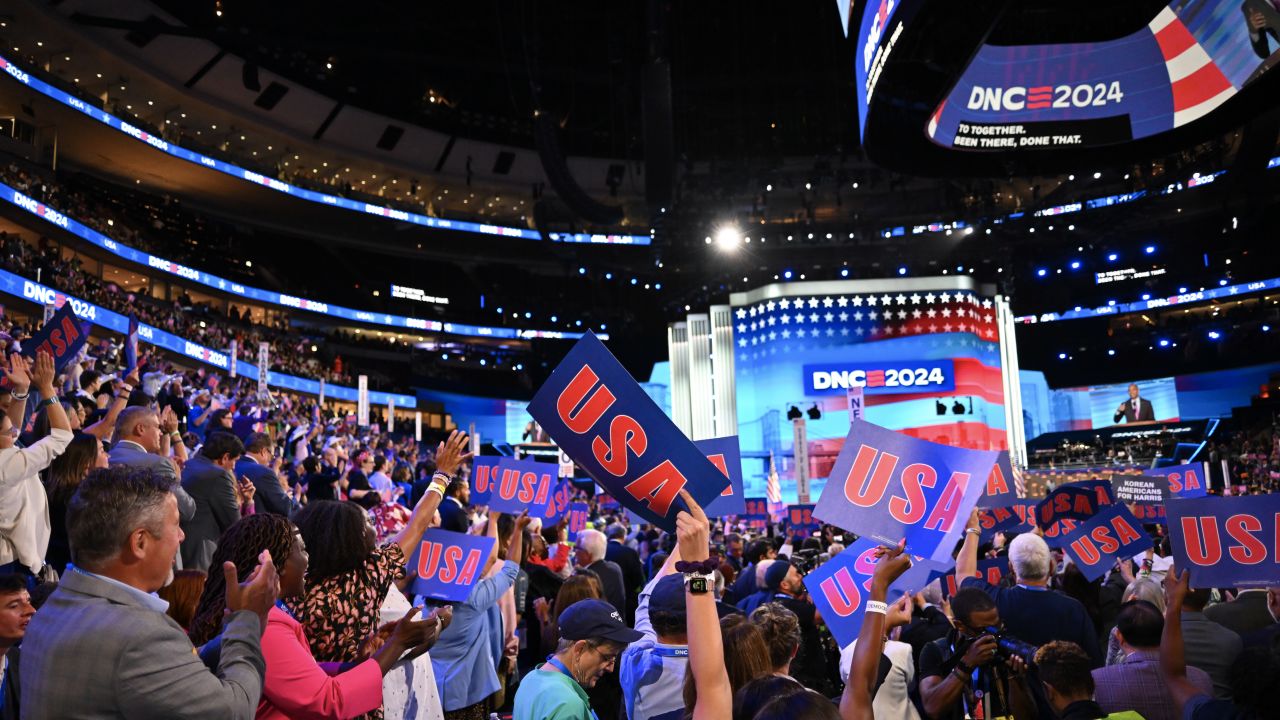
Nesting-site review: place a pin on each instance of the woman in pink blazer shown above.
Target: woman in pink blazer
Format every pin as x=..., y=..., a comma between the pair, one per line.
x=296, y=686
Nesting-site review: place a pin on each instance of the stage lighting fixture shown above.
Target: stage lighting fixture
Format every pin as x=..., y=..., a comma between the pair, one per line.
x=1075, y=264
x=1164, y=343
x=1222, y=282
x=940, y=407
x=815, y=413
x=728, y=238
x=1111, y=352
x=957, y=408
x=786, y=274
x=1149, y=249
x=1112, y=257
x=844, y=272
x=1214, y=335
x=1266, y=328
x=902, y=271
x=794, y=413
x=1042, y=272
x=1062, y=356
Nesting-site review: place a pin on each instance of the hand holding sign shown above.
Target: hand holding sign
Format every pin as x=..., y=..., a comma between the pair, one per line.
x=447, y=565
x=1228, y=541
x=693, y=532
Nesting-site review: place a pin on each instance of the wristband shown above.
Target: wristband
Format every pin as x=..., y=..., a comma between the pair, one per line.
x=972, y=531
x=437, y=488
x=45, y=403
x=697, y=566
x=447, y=477
x=22, y=396
x=875, y=606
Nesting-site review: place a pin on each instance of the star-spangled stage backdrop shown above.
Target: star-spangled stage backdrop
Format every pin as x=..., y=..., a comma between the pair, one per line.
x=779, y=339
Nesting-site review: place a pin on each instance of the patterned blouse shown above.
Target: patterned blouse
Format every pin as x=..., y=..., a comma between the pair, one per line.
x=341, y=612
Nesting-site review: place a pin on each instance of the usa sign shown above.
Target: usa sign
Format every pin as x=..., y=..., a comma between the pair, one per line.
x=990, y=571
x=603, y=419
x=61, y=337
x=1228, y=541
x=1001, y=491
x=447, y=565
x=841, y=586
x=887, y=486
x=1113, y=532
x=530, y=485
x=484, y=475
x=723, y=452
x=1185, y=481
x=800, y=520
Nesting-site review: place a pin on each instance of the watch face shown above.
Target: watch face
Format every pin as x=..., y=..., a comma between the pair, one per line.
x=697, y=585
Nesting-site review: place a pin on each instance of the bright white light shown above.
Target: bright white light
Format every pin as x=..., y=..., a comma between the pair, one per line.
x=1097, y=175
x=728, y=238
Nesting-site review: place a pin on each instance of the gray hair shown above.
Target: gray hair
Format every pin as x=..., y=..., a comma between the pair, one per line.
x=593, y=542
x=109, y=505
x=762, y=567
x=1029, y=556
x=129, y=418
x=1144, y=588
x=616, y=531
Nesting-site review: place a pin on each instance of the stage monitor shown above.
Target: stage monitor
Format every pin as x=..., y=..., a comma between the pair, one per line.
x=1193, y=56
x=1142, y=401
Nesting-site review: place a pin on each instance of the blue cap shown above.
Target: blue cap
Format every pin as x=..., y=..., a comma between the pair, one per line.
x=593, y=619
x=776, y=573
x=668, y=595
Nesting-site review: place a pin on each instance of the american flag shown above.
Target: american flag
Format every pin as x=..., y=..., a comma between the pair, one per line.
x=773, y=491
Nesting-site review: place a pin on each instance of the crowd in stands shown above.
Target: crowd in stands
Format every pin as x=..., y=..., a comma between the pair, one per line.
x=177, y=546
x=1102, y=452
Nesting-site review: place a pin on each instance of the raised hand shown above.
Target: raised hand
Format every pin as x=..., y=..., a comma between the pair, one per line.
x=18, y=373
x=258, y=592
x=693, y=531
x=892, y=563
x=168, y=420
x=452, y=452
x=42, y=374
x=899, y=612
x=1176, y=586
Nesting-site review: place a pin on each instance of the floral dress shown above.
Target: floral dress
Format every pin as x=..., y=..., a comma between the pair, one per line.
x=341, y=612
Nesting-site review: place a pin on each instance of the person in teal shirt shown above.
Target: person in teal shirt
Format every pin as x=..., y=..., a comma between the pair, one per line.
x=592, y=636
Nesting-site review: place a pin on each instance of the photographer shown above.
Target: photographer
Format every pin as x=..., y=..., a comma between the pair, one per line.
x=970, y=667
x=810, y=666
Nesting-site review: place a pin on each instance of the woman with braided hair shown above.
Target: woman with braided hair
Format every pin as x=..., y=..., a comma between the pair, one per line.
x=295, y=684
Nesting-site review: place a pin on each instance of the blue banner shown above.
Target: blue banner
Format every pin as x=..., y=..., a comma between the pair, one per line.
x=1226, y=541
x=579, y=513
x=604, y=420
x=887, y=486
x=841, y=586
x=724, y=454
x=484, y=474
x=1185, y=481
x=61, y=337
x=525, y=485
x=447, y=565
x=1112, y=533
x=1075, y=501
x=131, y=346
x=1001, y=490
x=882, y=378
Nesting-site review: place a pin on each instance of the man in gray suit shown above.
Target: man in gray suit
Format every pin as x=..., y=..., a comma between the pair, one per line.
x=207, y=479
x=1208, y=645
x=261, y=466
x=102, y=645
x=140, y=442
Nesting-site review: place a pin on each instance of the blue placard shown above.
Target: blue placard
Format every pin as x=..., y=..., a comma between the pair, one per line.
x=579, y=512
x=800, y=520
x=887, y=486
x=1074, y=501
x=1185, y=481
x=447, y=565
x=991, y=570
x=841, y=586
x=484, y=473
x=558, y=507
x=1017, y=517
x=604, y=420
x=724, y=453
x=61, y=337
x=1001, y=489
x=1113, y=532
x=1149, y=514
x=755, y=509
x=882, y=378
x=525, y=485
x=1226, y=541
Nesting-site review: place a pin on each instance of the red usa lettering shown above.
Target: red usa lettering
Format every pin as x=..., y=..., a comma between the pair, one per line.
x=842, y=593
x=1205, y=545
x=436, y=561
x=718, y=461
x=1104, y=540
x=870, y=476
x=996, y=482
x=1178, y=482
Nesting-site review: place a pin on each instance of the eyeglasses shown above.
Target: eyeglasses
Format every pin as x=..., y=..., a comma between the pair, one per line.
x=10, y=433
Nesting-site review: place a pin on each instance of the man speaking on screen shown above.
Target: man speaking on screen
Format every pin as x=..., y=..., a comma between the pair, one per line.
x=1135, y=409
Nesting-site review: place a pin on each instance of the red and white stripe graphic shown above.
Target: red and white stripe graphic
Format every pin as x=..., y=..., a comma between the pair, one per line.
x=933, y=121
x=1198, y=84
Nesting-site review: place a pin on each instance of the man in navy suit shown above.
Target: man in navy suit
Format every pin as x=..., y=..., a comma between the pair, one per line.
x=259, y=464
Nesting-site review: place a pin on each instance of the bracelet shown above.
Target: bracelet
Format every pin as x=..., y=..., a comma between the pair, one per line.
x=176, y=435
x=875, y=606
x=440, y=473
x=45, y=403
x=127, y=386
x=22, y=396
x=437, y=488
x=973, y=531
x=960, y=674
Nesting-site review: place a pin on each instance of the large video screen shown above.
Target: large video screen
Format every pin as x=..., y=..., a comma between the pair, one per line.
x=1131, y=403
x=926, y=360
x=1193, y=56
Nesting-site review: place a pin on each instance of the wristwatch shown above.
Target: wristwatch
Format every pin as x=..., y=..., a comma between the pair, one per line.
x=698, y=583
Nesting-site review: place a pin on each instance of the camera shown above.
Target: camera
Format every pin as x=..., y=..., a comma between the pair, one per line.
x=1008, y=646
x=804, y=561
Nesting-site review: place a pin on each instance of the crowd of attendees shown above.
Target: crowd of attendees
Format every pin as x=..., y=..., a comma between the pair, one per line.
x=177, y=546
x=1102, y=452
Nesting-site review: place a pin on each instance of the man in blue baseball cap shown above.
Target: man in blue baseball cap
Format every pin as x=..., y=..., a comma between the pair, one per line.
x=592, y=636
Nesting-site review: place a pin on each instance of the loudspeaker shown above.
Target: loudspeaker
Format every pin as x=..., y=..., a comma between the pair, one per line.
x=390, y=137
x=249, y=76
x=502, y=163
x=272, y=95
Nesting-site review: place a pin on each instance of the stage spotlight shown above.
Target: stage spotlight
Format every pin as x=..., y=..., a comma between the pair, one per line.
x=940, y=407
x=957, y=408
x=902, y=271
x=794, y=413
x=1214, y=334
x=1042, y=272
x=815, y=413
x=844, y=272
x=1149, y=249
x=1112, y=257
x=728, y=238
x=1075, y=264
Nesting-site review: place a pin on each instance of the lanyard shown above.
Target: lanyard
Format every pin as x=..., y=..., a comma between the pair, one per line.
x=1034, y=588
x=676, y=652
x=554, y=662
